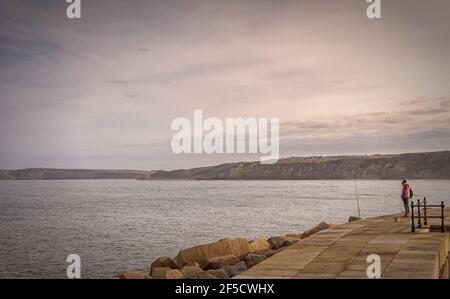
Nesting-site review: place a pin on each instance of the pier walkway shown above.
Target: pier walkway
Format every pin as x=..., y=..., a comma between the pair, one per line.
x=342, y=251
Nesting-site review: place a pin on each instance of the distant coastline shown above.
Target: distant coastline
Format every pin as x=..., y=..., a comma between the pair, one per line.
x=427, y=165
x=71, y=174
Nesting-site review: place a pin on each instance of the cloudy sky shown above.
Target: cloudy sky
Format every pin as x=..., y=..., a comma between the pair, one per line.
x=102, y=91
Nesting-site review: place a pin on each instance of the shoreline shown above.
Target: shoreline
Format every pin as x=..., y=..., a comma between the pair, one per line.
x=419, y=165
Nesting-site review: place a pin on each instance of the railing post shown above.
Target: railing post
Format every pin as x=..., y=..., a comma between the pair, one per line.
x=442, y=217
x=413, y=227
x=425, y=221
x=419, y=221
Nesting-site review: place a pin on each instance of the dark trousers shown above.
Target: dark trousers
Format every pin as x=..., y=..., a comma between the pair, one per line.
x=406, y=204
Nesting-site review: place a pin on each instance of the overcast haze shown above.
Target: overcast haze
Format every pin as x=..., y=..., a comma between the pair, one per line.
x=101, y=92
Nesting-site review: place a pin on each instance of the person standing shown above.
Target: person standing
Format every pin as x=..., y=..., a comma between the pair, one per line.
x=406, y=195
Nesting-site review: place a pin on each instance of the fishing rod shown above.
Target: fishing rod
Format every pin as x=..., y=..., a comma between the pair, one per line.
x=357, y=198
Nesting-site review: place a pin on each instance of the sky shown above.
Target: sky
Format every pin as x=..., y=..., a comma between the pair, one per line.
x=103, y=90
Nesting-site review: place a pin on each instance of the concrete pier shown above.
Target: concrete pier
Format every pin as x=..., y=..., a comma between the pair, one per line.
x=342, y=251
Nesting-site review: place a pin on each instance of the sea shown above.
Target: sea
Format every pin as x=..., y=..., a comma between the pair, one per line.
x=123, y=225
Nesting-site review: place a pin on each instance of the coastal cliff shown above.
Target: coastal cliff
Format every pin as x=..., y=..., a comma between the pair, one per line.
x=432, y=165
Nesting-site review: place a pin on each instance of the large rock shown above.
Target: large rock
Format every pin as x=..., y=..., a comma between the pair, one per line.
x=288, y=243
x=353, y=218
x=203, y=275
x=166, y=273
x=275, y=242
x=220, y=274
x=195, y=272
x=222, y=261
x=163, y=262
x=316, y=229
x=200, y=254
x=258, y=244
x=131, y=275
x=267, y=252
x=253, y=259
x=235, y=269
x=191, y=271
x=281, y=241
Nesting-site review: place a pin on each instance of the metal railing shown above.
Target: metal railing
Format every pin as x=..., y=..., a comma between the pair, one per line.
x=423, y=207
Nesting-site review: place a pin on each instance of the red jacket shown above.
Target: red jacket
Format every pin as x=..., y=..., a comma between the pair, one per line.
x=405, y=191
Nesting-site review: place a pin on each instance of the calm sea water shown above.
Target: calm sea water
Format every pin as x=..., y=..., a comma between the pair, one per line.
x=120, y=225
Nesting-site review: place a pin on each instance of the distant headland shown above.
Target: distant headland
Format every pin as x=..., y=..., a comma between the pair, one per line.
x=428, y=165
